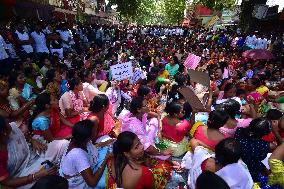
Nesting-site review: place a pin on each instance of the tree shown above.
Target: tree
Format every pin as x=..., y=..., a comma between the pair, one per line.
x=127, y=8
x=218, y=5
x=246, y=19
x=151, y=11
x=146, y=12
x=173, y=10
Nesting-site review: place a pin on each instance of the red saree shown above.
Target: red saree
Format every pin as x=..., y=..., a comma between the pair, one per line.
x=161, y=171
x=58, y=129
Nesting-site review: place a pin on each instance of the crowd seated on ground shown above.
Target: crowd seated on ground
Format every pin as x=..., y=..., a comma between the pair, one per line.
x=67, y=122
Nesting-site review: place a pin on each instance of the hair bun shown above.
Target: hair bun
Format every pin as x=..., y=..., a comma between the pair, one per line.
x=115, y=147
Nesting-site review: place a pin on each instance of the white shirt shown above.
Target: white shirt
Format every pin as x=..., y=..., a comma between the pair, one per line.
x=90, y=91
x=99, y=34
x=65, y=36
x=167, y=32
x=11, y=50
x=76, y=161
x=23, y=37
x=40, y=42
x=251, y=41
x=47, y=31
x=262, y=43
x=181, y=31
x=236, y=176
x=68, y=63
x=3, y=46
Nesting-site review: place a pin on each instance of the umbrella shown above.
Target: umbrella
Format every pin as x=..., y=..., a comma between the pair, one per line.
x=258, y=54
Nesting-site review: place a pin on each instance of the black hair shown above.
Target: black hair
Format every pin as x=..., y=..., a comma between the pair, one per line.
x=154, y=70
x=28, y=71
x=231, y=106
x=115, y=55
x=99, y=102
x=173, y=108
x=275, y=71
x=50, y=74
x=274, y=114
x=256, y=82
x=258, y=128
x=228, y=87
x=187, y=110
x=44, y=57
x=77, y=63
x=84, y=74
x=151, y=77
x=217, y=119
x=73, y=83
x=180, y=79
x=221, y=68
x=2, y=124
x=181, y=68
x=136, y=104
x=82, y=131
x=240, y=92
x=51, y=181
x=41, y=101
x=143, y=91
x=123, y=144
x=174, y=93
x=210, y=180
x=227, y=151
x=175, y=59
x=13, y=78
x=161, y=66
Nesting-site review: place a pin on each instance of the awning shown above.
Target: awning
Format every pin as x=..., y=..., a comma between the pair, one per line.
x=65, y=11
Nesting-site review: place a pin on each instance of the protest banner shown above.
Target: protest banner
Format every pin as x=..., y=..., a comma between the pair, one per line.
x=192, y=61
x=137, y=75
x=122, y=71
x=212, y=22
x=199, y=77
x=191, y=97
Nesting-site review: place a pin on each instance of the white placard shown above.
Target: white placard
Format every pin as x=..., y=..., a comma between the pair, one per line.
x=137, y=75
x=122, y=71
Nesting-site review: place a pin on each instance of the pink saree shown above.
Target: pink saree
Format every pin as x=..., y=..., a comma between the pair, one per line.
x=145, y=129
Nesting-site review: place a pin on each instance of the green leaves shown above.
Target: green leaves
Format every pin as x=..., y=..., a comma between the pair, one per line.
x=218, y=5
x=174, y=11
x=127, y=8
x=151, y=11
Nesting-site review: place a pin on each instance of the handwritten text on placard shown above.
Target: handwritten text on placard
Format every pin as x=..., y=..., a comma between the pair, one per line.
x=122, y=71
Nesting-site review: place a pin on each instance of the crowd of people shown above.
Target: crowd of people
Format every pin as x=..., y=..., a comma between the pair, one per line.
x=65, y=122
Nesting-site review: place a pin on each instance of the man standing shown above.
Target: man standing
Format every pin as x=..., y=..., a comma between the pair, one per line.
x=4, y=57
x=251, y=41
x=24, y=41
x=66, y=37
x=39, y=42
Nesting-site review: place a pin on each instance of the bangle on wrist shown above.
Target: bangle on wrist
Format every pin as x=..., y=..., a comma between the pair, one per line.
x=159, y=151
x=34, y=177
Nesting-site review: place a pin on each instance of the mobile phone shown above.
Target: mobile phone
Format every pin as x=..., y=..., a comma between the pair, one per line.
x=48, y=164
